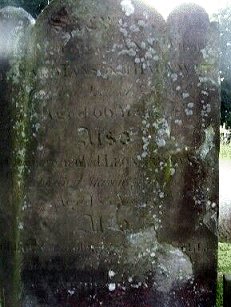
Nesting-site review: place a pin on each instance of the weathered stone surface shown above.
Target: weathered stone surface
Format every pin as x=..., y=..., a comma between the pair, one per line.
x=194, y=116
x=120, y=198
x=14, y=25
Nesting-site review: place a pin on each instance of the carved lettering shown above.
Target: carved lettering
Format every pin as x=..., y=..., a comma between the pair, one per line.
x=97, y=137
x=91, y=70
x=96, y=182
x=90, y=112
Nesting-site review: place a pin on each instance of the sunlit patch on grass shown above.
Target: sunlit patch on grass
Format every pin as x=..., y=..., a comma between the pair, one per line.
x=225, y=152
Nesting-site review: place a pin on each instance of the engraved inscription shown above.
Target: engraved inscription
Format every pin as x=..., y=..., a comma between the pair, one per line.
x=90, y=111
x=83, y=161
x=97, y=137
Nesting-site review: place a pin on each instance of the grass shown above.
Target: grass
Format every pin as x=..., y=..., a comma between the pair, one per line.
x=224, y=266
x=225, y=151
x=224, y=251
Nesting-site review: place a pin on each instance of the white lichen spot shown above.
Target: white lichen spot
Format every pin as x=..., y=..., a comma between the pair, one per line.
x=208, y=142
x=111, y=274
x=41, y=94
x=134, y=28
x=151, y=40
x=81, y=130
x=205, y=93
x=130, y=43
x=143, y=205
x=119, y=67
x=188, y=112
x=127, y=7
x=156, y=58
x=141, y=23
x=207, y=53
x=143, y=45
x=172, y=171
x=20, y=226
x=190, y=105
x=163, y=132
x=43, y=73
x=28, y=89
x=161, y=142
x=178, y=122
x=174, y=77
x=66, y=37
x=214, y=205
x=144, y=154
x=124, y=32
x=131, y=52
x=161, y=195
x=37, y=126
x=203, y=79
x=208, y=108
x=139, y=158
x=185, y=95
x=148, y=55
x=178, y=88
x=137, y=60
x=112, y=287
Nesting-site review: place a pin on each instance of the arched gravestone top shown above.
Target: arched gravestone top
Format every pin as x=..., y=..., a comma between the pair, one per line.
x=189, y=17
x=13, y=22
x=189, y=32
x=116, y=171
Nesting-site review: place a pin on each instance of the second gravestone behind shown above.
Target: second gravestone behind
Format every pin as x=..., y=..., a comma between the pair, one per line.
x=102, y=162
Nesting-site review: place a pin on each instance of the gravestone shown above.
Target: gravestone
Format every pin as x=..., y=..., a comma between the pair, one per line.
x=194, y=115
x=120, y=202
x=14, y=26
